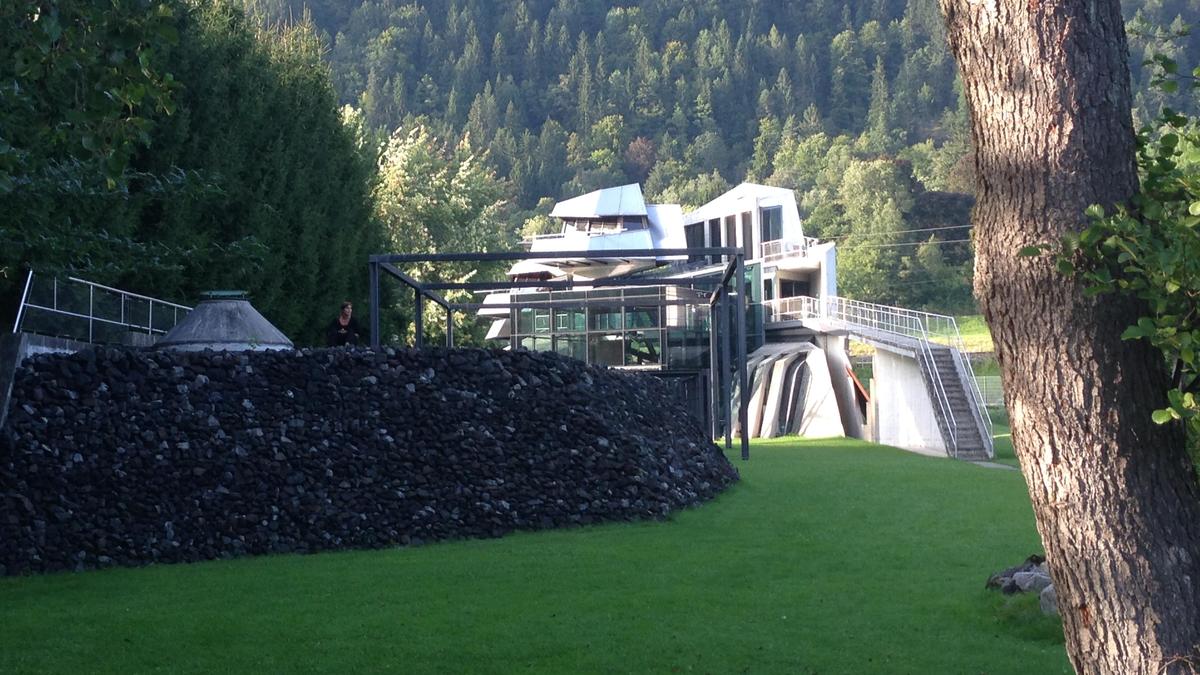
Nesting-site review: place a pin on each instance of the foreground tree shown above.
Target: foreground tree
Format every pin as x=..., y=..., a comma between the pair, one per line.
x=1116, y=501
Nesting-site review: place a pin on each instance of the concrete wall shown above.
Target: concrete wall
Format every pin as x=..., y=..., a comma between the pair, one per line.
x=822, y=417
x=838, y=361
x=904, y=414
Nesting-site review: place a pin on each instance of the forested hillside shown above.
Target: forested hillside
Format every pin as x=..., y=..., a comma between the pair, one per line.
x=175, y=146
x=853, y=104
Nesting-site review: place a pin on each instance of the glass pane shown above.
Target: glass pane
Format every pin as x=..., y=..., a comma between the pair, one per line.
x=524, y=320
x=536, y=344
x=574, y=346
x=772, y=223
x=570, y=320
x=605, y=349
x=605, y=318
x=643, y=348
x=641, y=317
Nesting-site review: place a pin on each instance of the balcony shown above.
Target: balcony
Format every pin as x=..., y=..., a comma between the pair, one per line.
x=782, y=249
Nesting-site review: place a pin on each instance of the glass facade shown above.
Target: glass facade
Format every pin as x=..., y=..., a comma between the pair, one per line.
x=620, y=327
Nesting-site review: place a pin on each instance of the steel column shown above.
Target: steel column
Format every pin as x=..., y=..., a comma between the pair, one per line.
x=726, y=371
x=419, y=320
x=375, y=308
x=743, y=376
x=714, y=394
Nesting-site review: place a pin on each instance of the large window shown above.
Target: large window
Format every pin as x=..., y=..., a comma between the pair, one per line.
x=771, y=224
x=790, y=288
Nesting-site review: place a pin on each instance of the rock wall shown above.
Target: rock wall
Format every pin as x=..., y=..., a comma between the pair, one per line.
x=121, y=457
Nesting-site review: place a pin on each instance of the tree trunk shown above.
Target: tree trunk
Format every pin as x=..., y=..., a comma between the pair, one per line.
x=1116, y=500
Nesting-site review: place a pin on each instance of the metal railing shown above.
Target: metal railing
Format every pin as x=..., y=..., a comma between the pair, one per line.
x=86, y=311
x=778, y=249
x=791, y=309
x=924, y=327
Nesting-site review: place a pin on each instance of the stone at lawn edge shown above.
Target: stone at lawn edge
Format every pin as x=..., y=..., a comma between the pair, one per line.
x=1031, y=582
x=1049, y=601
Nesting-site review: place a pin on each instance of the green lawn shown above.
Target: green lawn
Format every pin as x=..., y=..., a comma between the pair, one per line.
x=1002, y=438
x=976, y=335
x=829, y=557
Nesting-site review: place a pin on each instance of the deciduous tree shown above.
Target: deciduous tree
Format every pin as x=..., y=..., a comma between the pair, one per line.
x=1115, y=497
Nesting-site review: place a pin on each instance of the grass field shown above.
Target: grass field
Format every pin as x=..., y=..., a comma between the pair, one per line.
x=976, y=335
x=829, y=557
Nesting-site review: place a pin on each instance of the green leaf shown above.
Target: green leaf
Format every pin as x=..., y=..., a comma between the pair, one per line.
x=1194, y=209
x=1161, y=416
x=1028, y=251
x=1132, y=333
x=1065, y=266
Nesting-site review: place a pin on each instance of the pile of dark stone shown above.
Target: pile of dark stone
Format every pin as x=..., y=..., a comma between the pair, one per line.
x=1031, y=576
x=121, y=457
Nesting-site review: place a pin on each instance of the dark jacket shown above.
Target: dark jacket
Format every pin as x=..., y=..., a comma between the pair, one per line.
x=337, y=335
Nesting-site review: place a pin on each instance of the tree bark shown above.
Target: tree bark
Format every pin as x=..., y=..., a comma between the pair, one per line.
x=1115, y=497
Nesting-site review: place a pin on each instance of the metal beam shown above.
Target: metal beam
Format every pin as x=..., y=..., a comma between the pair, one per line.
x=569, y=285
x=582, y=302
x=631, y=253
x=413, y=283
x=730, y=269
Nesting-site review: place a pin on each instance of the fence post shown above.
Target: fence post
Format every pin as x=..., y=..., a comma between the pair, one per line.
x=91, y=310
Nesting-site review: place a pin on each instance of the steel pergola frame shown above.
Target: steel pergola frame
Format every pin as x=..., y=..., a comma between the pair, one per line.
x=724, y=358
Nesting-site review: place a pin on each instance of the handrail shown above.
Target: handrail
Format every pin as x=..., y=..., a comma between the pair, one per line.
x=924, y=327
x=130, y=294
x=91, y=316
x=778, y=249
x=943, y=329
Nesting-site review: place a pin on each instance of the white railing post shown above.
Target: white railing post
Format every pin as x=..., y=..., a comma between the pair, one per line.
x=24, y=298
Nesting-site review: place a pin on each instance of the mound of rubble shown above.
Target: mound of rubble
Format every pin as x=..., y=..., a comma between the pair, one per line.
x=123, y=457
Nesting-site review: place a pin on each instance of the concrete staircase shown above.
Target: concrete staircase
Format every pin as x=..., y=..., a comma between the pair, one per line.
x=972, y=443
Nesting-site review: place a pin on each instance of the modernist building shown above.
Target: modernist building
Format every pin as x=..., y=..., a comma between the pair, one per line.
x=797, y=328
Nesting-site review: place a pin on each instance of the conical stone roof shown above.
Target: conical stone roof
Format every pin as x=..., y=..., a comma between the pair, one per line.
x=223, y=323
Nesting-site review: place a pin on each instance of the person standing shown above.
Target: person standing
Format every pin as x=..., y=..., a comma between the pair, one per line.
x=344, y=329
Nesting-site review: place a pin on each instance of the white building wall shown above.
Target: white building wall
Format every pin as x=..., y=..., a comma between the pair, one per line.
x=750, y=198
x=904, y=413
